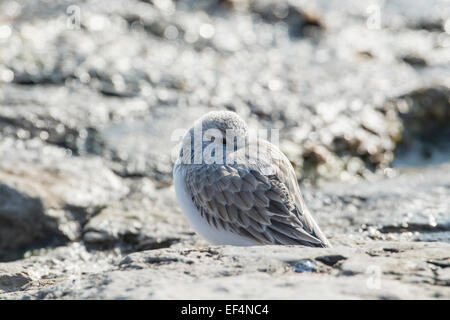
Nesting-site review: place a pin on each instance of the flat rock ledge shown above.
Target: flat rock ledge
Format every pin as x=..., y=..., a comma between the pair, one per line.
x=359, y=270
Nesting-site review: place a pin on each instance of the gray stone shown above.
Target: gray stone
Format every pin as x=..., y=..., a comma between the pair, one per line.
x=261, y=272
x=92, y=108
x=13, y=279
x=47, y=196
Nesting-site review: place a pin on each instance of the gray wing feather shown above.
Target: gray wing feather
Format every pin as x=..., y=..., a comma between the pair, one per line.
x=266, y=208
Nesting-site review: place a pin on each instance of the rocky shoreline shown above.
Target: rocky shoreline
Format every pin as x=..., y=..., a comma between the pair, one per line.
x=91, y=93
x=393, y=232
x=358, y=270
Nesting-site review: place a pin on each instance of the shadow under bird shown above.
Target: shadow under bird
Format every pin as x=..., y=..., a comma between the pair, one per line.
x=247, y=198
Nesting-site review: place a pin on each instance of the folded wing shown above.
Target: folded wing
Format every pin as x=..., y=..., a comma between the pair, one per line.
x=256, y=196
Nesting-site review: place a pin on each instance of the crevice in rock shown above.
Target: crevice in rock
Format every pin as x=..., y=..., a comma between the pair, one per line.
x=83, y=214
x=414, y=227
x=330, y=260
x=127, y=242
x=442, y=263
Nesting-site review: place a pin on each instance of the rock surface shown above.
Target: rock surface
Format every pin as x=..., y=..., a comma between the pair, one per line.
x=46, y=197
x=94, y=96
x=372, y=257
x=362, y=270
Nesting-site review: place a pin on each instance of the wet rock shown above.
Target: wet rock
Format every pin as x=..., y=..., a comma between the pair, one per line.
x=127, y=230
x=24, y=223
x=48, y=196
x=61, y=116
x=104, y=69
x=425, y=114
x=92, y=107
x=146, y=147
x=410, y=205
x=153, y=274
x=46, y=267
x=148, y=218
x=13, y=279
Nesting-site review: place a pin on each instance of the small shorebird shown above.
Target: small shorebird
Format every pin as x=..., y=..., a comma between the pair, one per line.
x=232, y=195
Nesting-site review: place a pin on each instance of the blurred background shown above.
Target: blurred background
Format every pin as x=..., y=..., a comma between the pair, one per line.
x=91, y=92
x=352, y=87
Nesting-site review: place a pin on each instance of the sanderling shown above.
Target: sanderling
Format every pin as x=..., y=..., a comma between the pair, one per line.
x=231, y=195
